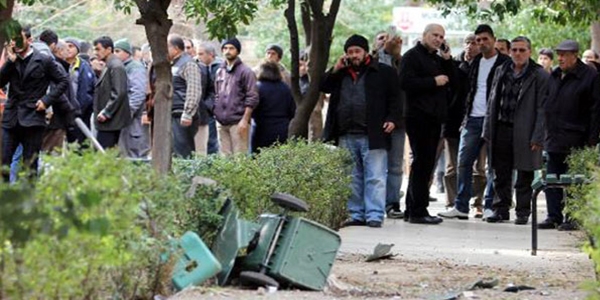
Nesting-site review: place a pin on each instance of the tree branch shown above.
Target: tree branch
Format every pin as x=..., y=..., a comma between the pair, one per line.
x=317, y=8
x=290, y=16
x=305, y=13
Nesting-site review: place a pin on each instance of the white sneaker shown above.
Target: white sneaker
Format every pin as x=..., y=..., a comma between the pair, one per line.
x=486, y=213
x=454, y=213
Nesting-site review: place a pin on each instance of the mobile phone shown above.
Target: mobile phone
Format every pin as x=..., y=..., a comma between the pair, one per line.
x=392, y=32
x=346, y=61
x=443, y=47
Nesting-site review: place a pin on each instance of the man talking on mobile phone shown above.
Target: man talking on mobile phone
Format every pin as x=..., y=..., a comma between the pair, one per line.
x=364, y=109
x=28, y=74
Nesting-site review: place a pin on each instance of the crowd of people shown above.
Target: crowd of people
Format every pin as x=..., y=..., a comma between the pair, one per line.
x=111, y=85
x=491, y=112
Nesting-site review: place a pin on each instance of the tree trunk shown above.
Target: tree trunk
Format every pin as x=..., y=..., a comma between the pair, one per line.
x=290, y=16
x=321, y=31
x=5, y=16
x=595, y=32
x=157, y=24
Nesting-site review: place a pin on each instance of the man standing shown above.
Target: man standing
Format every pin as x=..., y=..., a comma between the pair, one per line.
x=83, y=81
x=425, y=76
x=187, y=92
x=480, y=78
x=572, y=121
x=207, y=55
x=363, y=110
x=451, y=130
x=387, y=51
x=29, y=73
x=514, y=129
x=236, y=96
x=503, y=46
x=189, y=47
x=274, y=53
x=133, y=141
x=111, y=103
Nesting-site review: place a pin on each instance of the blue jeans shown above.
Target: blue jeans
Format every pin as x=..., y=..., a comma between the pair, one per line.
x=468, y=151
x=394, y=167
x=14, y=165
x=367, y=202
x=213, y=139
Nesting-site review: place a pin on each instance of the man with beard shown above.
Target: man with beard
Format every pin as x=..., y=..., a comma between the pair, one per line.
x=236, y=96
x=364, y=109
x=29, y=73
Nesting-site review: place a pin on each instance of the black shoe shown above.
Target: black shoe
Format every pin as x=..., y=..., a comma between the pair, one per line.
x=497, y=217
x=431, y=199
x=374, y=224
x=521, y=220
x=393, y=212
x=548, y=224
x=353, y=222
x=430, y=220
x=568, y=226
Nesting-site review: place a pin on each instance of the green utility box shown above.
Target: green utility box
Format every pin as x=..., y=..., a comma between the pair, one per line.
x=304, y=252
x=195, y=263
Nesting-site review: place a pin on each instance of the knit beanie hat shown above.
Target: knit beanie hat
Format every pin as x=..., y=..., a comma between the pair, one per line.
x=275, y=48
x=75, y=43
x=356, y=40
x=124, y=45
x=234, y=42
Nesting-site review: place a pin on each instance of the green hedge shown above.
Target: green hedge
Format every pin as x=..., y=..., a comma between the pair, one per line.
x=93, y=226
x=314, y=172
x=583, y=204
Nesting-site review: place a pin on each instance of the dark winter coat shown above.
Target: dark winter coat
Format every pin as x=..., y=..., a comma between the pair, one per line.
x=383, y=102
x=275, y=110
x=472, y=79
x=573, y=109
x=28, y=87
x=111, y=97
x=424, y=99
x=235, y=90
x=456, y=109
x=528, y=126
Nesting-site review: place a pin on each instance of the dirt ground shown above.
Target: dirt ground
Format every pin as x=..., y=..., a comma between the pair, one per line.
x=398, y=278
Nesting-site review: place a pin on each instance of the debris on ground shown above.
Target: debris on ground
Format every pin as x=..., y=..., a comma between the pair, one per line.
x=381, y=251
x=517, y=288
x=485, y=283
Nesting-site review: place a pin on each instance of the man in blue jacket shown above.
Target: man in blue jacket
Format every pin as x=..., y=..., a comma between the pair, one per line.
x=28, y=73
x=364, y=109
x=83, y=81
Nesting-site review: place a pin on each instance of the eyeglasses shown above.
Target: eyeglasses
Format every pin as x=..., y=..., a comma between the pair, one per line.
x=522, y=50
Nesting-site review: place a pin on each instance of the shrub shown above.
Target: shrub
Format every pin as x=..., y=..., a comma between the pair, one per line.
x=314, y=172
x=95, y=226
x=583, y=204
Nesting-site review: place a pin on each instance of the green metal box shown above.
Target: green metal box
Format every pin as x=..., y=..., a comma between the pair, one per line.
x=305, y=253
x=195, y=264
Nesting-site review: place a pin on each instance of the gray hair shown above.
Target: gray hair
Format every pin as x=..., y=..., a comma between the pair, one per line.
x=209, y=48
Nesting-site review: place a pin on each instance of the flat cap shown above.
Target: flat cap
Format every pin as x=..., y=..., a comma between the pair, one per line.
x=568, y=45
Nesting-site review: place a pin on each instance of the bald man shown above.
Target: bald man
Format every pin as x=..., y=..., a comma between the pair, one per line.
x=426, y=77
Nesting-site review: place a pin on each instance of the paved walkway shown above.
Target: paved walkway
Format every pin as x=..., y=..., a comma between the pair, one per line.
x=472, y=242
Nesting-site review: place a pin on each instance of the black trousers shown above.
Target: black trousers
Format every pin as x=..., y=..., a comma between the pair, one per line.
x=424, y=136
x=31, y=138
x=108, y=139
x=183, y=137
x=503, y=166
x=557, y=164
